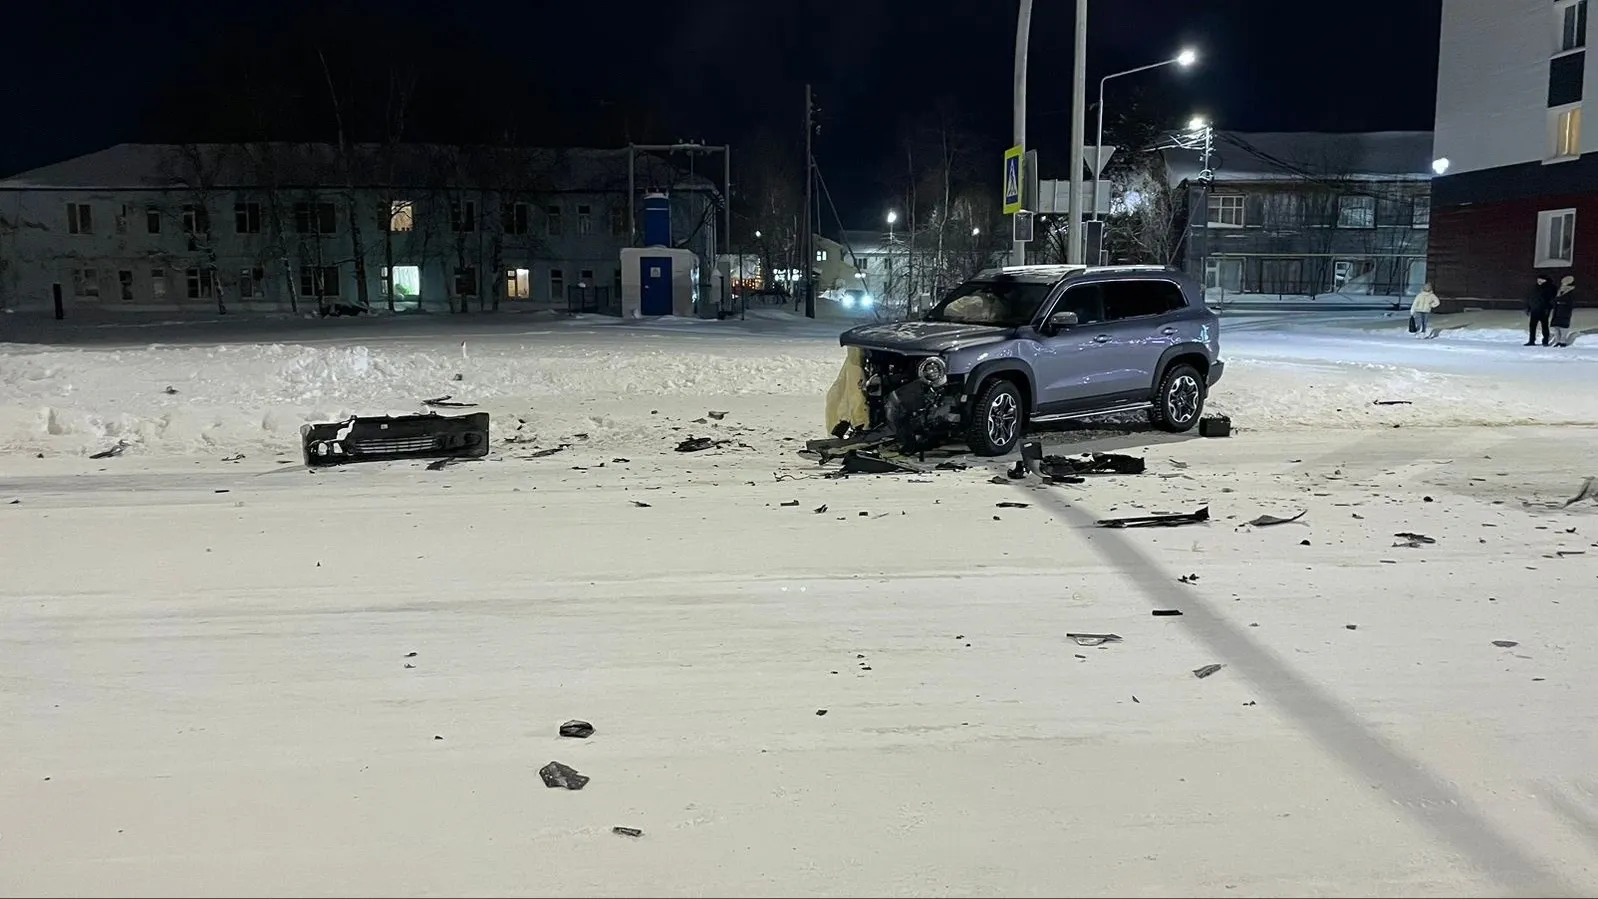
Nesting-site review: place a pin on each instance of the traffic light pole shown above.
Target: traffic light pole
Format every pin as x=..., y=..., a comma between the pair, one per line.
x=808, y=240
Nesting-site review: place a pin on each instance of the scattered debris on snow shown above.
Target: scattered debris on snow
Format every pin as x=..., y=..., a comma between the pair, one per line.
x=1506, y=644
x=626, y=831
x=1265, y=521
x=1158, y=521
x=447, y=402
x=1206, y=670
x=120, y=448
x=1165, y=613
x=564, y=776
x=580, y=729
x=1094, y=639
x=1408, y=538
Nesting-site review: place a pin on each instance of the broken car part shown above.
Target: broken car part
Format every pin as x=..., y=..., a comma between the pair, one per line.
x=379, y=438
x=861, y=462
x=1215, y=426
x=1094, y=639
x=582, y=730
x=1206, y=670
x=447, y=402
x=1265, y=521
x=1158, y=521
x=557, y=775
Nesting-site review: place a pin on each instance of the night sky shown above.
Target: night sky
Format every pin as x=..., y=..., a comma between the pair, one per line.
x=84, y=75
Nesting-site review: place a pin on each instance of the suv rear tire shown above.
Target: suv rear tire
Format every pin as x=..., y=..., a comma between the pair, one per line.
x=998, y=419
x=1179, y=403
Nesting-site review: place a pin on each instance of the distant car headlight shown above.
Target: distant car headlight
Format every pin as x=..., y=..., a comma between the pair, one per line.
x=846, y=301
x=866, y=300
x=934, y=371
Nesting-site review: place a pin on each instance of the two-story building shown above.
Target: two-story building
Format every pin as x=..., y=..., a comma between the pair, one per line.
x=312, y=228
x=1516, y=193
x=1305, y=215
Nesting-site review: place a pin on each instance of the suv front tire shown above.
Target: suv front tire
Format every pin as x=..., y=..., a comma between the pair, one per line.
x=1179, y=403
x=998, y=419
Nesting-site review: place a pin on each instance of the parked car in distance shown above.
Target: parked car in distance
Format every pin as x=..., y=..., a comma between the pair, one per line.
x=1040, y=343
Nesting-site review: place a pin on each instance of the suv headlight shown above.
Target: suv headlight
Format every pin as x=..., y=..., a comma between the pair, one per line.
x=934, y=371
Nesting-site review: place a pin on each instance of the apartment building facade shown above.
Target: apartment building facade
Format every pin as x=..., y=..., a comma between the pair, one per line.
x=1306, y=214
x=1516, y=192
x=313, y=229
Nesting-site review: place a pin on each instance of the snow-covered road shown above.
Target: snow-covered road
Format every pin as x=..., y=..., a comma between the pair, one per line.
x=207, y=688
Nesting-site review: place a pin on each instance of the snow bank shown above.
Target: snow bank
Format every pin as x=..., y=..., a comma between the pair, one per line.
x=256, y=396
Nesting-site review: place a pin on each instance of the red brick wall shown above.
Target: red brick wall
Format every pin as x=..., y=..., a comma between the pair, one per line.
x=1484, y=254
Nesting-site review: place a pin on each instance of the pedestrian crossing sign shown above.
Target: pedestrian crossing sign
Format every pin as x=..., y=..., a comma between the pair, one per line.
x=1012, y=179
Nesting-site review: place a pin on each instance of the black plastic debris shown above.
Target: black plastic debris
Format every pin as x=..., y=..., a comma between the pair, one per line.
x=700, y=444
x=379, y=438
x=1392, y=403
x=1068, y=469
x=626, y=831
x=1094, y=639
x=1188, y=579
x=120, y=448
x=564, y=776
x=820, y=712
x=952, y=466
x=641, y=504
x=440, y=464
x=582, y=730
x=791, y=502
x=1215, y=426
x=1206, y=670
x=447, y=402
x=1158, y=521
x=1013, y=505
x=821, y=508
x=862, y=462
x=717, y=416
x=236, y=457
x=170, y=391
x=840, y=444
x=1018, y=470
x=1589, y=490
x=544, y=453
x=1411, y=539
x=1265, y=521
x=1165, y=613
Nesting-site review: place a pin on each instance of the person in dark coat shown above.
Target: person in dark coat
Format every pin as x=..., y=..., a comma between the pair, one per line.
x=1539, y=302
x=1564, y=303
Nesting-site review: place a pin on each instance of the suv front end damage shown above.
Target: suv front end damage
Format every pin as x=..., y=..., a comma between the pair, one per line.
x=913, y=397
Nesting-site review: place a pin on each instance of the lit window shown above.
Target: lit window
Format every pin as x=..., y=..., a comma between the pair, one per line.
x=1226, y=211
x=405, y=283
x=1567, y=133
x=518, y=283
x=401, y=215
x=1556, y=238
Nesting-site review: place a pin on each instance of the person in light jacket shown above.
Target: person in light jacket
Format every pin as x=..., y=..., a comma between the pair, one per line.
x=1421, y=309
x=1564, y=303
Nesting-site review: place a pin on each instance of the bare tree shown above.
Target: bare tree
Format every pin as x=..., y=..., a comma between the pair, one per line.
x=196, y=173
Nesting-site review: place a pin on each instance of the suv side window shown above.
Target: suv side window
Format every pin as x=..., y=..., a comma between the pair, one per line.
x=1086, y=300
x=1139, y=299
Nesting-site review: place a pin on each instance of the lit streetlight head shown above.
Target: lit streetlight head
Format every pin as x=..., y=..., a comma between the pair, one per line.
x=757, y=235
x=1187, y=57
x=1440, y=166
x=975, y=231
x=892, y=216
x=1197, y=123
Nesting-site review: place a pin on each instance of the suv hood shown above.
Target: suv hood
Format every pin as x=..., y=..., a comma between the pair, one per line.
x=922, y=337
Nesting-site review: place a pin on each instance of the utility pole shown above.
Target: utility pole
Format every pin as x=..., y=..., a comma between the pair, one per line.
x=808, y=241
x=1023, y=33
x=1079, y=95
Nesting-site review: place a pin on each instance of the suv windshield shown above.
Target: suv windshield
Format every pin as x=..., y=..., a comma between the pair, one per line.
x=1002, y=302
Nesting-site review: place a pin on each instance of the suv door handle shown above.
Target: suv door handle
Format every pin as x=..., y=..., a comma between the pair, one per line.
x=1102, y=338
x=1167, y=331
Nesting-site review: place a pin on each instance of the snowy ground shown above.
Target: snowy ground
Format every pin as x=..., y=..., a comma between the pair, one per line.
x=204, y=665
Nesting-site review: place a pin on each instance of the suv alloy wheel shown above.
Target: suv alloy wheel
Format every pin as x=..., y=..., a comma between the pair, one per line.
x=998, y=419
x=1180, y=401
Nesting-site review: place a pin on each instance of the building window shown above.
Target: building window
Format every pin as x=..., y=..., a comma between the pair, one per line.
x=514, y=218
x=122, y=220
x=85, y=283
x=125, y=282
x=247, y=218
x=618, y=221
x=195, y=220
x=314, y=218
x=199, y=283
x=401, y=215
x=79, y=220
x=152, y=220
x=319, y=281
x=821, y=255
x=585, y=219
x=585, y=278
x=406, y=281
x=518, y=283
x=1226, y=211
x=466, y=282
x=557, y=286
x=1420, y=213
x=1356, y=212
x=552, y=220
x=252, y=283
x=158, y=283
x=463, y=217
x=1556, y=238
x=1572, y=18
x=1566, y=125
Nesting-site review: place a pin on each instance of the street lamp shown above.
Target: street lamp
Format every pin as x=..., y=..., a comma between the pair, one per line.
x=976, y=232
x=892, y=216
x=1186, y=58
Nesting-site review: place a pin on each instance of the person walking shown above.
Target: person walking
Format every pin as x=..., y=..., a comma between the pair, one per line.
x=1421, y=309
x=1559, y=312
x=1539, y=302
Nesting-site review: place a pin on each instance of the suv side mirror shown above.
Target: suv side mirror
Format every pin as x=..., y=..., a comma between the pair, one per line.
x=1061, y=321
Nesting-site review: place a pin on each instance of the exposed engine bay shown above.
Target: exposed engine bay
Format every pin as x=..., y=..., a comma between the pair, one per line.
x=912, y=397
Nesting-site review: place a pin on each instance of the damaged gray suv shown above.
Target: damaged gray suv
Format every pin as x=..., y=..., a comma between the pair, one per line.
x=1030, y=344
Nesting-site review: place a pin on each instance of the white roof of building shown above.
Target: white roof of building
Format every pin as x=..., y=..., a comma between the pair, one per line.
x=1295, y=155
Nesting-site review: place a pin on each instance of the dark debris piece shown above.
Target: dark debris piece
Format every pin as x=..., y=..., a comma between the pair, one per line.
x=1409, y=538
x=1165, y=613
x=791, y=502
x=540, y=454
x=952, y=466
x=1093, y=639
x=700, y=444
x=626, y=831
x=120, y=448
x=582, y=730
x=446, y=402
x=861, y=462
x=441, y=464
x=1158, y=521
x=1392, y=402
x=1265, y=521
x=1506, y=644
x=1206, y=670
x=717, y=416
x=557, y=775
x=1013, y=505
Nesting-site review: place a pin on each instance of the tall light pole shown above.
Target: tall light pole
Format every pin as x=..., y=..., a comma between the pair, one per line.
x=1023, y=32
x=1184, y=59
x=1079, y=91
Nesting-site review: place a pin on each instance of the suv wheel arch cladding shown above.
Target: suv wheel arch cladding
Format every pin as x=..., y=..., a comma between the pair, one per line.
x=1010, y=369
x=1194, y=354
